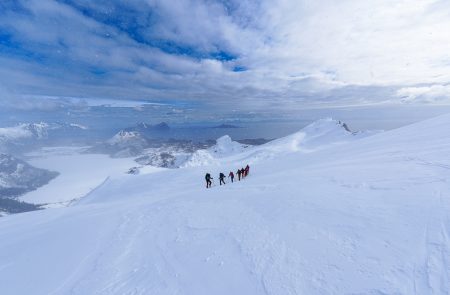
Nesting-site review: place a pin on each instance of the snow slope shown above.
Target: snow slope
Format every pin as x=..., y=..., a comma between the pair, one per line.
x=365, y=216
x=322, y=134
x=223, y=148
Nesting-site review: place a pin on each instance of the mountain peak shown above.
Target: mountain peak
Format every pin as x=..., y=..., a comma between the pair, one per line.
x=163, y=126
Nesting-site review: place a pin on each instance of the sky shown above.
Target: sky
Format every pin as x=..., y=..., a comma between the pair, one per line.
x=224, y=55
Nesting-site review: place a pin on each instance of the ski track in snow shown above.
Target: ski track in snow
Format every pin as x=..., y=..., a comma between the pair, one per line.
x=437, y=265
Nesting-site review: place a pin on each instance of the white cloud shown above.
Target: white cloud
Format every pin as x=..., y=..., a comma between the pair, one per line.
x=290, y=50
x=363, y=42
x=425, y=94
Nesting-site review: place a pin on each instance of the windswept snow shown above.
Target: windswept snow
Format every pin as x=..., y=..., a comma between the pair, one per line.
x=324, y=211
x=226, y=147
x=223, y=148
x=322, y=134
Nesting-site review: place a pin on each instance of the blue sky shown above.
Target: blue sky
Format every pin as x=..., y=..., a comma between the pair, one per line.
x=227, y=55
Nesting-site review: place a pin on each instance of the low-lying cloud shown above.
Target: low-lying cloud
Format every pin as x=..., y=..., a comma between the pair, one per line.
x=433, y=94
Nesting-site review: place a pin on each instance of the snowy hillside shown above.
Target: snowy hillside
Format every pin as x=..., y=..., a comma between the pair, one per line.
x=224, y=147
x=321, y=134
x=18, y=177
x=323, y=211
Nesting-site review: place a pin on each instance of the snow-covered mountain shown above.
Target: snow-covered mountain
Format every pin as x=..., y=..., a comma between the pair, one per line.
x=123, y=144
x=18, y=177
x=323, y=211
x=125, y=138
x=321, y=134
x=36, y=130
x=170, y=154
x=22, y=131
x=28, y=134
x=167, y=153
x=149, y=129
x=224, y=147
x=324, y=133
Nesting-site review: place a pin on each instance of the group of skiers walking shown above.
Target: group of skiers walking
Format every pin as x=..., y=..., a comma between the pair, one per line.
x=241, y=173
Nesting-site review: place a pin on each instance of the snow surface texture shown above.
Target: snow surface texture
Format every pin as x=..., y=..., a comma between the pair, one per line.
x=316, y=216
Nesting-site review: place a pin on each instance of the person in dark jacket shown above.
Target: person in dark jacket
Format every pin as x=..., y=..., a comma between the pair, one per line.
x=208, y=180
x=242, y=173
x=222, y=178
x=239, y=174
x=247, y=170
x=231, y=176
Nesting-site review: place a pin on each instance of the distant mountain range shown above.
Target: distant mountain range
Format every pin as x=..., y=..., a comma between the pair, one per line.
x=148, y=128
x=254, y=141
x=226, y=126
x=153, y=144
x=26, y=135
x=150, y=151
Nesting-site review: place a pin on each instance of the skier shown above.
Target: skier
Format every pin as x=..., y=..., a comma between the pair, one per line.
x=239, y=174
x=208, y=180
x=222, y=178
x=231, y=175
x=242, y=173
x=247, y=170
